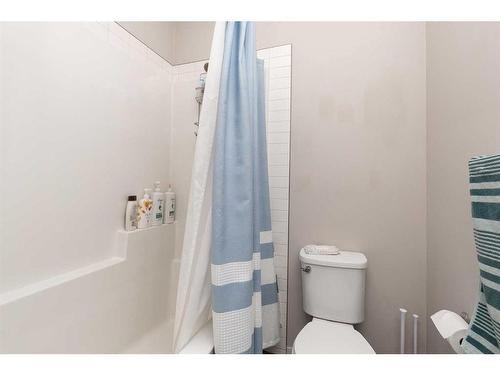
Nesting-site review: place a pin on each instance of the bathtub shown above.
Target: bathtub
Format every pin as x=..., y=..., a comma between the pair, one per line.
x=118, y=305
x=202, y=342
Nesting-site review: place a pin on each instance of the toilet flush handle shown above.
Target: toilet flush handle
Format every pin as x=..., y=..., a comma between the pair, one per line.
x=306, y=269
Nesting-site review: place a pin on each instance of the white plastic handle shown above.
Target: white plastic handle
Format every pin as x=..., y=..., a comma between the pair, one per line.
x=402, y=316
x=415, y=333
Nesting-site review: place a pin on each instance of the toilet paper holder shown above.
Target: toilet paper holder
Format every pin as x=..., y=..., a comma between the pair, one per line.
x=452, y=327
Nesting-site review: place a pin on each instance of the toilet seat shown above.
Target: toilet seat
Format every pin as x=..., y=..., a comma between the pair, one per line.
x=326, y=337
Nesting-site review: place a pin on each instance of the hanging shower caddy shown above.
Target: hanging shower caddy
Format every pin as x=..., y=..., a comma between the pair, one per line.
x=200, y=90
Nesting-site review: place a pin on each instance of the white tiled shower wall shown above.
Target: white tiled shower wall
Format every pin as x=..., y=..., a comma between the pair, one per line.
x=277, y=70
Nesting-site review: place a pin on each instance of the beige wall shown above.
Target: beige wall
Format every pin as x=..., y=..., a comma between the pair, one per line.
x=158, y=36
x=193, y=41
x=463, y=96
x=357, y=158
x=176, y=42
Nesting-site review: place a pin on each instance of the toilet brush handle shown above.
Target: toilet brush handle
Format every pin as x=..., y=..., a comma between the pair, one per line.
x=415, y=333
x=402, y=316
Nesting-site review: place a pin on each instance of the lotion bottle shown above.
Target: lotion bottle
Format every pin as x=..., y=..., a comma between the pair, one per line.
x=131, y=214
x=145, y=210
x=158, y=204
x=169, y=205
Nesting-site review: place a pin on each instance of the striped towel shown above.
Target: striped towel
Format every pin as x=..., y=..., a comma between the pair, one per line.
x=483, y=335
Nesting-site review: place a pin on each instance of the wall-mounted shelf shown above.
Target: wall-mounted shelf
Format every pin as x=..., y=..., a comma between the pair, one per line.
x=128, y=244
x=151, y=228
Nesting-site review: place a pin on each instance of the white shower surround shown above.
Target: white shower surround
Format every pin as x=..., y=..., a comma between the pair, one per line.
x=79, y=105
x=102, y=283
x=71, y=280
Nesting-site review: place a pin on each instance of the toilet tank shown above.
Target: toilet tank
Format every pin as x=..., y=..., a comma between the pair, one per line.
x=333, y=286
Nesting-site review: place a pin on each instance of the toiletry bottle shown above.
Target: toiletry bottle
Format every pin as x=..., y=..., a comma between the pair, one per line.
x=158, y=204
x=131, y=214
x=145, y=210
x=169, y=205
x=203, y=79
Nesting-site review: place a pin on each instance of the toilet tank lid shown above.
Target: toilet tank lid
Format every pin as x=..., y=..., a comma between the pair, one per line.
x=345, y=259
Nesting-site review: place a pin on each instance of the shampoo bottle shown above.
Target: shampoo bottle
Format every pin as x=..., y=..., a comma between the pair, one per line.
x=158, y=204
x=169, y=205
x=131, y=214
x=144, y=210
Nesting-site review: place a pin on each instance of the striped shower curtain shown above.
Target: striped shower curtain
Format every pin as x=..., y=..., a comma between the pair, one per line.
x=244, y=290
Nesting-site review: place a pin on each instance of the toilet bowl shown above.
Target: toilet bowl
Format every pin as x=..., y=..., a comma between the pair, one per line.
x=325, y=337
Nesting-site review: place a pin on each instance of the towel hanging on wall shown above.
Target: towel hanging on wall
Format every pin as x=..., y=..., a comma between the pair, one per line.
x=484, y=330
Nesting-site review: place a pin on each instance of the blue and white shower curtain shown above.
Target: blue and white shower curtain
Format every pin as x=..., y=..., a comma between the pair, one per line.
x=244, y=290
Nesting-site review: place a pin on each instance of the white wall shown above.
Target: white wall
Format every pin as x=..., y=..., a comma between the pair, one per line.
x=463, y=120
x=84, y=122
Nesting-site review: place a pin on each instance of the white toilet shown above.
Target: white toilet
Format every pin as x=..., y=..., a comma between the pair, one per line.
x=333, y=292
